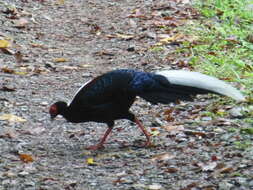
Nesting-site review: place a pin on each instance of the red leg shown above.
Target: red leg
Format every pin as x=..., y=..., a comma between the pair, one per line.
x=100, y=144
x=139, y=124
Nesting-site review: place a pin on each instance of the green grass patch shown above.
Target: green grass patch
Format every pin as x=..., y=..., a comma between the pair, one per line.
x=224, y=45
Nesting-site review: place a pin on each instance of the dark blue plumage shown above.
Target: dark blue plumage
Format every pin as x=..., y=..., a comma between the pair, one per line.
x=109, y=97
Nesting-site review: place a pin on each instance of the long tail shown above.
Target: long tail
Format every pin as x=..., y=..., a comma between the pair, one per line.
x=198, y=83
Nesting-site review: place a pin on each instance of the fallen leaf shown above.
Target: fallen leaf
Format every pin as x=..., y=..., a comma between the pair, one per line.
x=37, y=45
x=26, y=158
x=21, y=73
x=90, y=161
x=7, y=89
x=4, y=44
x=124, y=36
x=12, y=118
x=59, y=60
x=174, y=129
x=7, y=51
x=162, y=157
x=154, y=132
x=118, y=181
x=171, y=38
x=227, y=170
x=171, y=170
x=198, y=133
x=60, y=2
x=7, y=70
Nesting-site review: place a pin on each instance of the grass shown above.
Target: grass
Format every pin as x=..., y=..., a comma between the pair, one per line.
x=224, y=45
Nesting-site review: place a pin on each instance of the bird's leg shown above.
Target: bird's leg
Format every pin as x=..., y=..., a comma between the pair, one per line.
x=100, y=144
x=139, y=124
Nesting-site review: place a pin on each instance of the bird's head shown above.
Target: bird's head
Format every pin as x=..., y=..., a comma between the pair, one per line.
x=57, y=108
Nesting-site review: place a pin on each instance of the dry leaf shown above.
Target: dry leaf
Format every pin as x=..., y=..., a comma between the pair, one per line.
x=4, y=44
x=26, y=158
x=171, y=39
x=154, y=132
x=59, y=60
x=90, y=161
x=12, y=118
x=7, y=51
x=171, y=170
x=7, y=89
x=174, y=129
x=227, y=170
x=162, y=157
x=7, y=70
x=124, y=36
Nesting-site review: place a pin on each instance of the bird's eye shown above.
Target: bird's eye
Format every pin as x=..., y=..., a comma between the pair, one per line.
x=53, y=110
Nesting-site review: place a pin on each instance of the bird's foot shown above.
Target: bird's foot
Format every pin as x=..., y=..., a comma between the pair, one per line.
x=148, y=144
x=95, y=147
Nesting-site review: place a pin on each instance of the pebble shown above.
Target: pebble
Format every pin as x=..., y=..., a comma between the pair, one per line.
x=44, y=103
x=236, y=112
x=224, y=185
x=23, y=173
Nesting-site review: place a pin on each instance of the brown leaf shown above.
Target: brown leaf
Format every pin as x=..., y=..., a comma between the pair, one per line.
x=7, y=70
x=12, y=118
x=227, y=170
x=7, y=51
x=26, y=158
x=7, y=89
x=60, y=60
x=171, y=170
x=174, y=129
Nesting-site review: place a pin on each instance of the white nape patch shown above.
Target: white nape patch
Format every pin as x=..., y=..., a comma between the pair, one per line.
x=202, y=81
x=78, y=91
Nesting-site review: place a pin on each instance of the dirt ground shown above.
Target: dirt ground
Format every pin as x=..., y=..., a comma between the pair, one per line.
x=55, y=46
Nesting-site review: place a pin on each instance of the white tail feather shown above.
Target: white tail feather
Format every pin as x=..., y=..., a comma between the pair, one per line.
x=202, y=81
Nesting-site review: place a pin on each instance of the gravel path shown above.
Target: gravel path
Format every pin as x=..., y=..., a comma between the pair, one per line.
x=65, y=43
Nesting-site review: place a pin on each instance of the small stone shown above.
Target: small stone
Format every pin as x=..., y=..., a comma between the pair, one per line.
x=29, y=183
x=131, y=49
x=236, y=112
x=44, y=103
x=224, y=185
x=155, y=187
x=23, y=173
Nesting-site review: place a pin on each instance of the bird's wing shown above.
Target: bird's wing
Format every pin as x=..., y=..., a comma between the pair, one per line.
x=102, y=90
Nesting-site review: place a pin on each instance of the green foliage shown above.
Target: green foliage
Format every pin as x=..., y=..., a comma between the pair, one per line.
x=225, y=41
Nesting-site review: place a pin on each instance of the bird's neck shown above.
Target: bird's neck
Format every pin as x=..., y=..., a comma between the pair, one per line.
x=71, y=115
